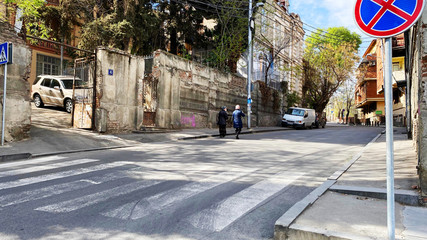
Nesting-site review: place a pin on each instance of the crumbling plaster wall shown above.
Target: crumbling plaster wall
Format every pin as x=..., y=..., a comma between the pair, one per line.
x=18, y=108
x=419, y=100
x=190, y=95
x=119, y=81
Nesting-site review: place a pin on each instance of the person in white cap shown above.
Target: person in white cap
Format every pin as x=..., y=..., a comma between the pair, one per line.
x=237, y=120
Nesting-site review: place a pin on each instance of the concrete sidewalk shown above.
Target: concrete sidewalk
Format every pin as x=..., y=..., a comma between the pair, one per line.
x=352, y=204
x=47, y=140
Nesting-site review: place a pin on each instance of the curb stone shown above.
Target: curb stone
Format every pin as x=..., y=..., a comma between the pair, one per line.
x=232, y=134
x=21, y=156
x=17, y=156
x=282, y=225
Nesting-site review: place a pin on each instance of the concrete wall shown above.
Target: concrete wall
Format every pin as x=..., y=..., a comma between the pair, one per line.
x=190, y=95
x=18, y=108
x=119, y=107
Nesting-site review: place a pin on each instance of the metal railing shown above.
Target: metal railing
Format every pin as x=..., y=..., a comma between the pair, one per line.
x=273, y=79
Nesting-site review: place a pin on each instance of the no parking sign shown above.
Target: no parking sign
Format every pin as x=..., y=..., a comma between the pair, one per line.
x=386, y=18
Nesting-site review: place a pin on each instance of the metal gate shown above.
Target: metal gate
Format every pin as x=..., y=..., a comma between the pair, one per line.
x=84, y=95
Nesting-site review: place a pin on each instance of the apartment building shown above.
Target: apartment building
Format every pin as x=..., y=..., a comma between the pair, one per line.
x=47, y=57
x=369, y=92
x=278, y=46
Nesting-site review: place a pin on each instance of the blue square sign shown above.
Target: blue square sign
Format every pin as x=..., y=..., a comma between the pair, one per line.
x=110, y=72
x=4, y=47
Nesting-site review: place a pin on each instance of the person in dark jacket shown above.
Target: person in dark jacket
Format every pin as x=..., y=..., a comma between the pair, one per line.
x=222, y=121
x=237, y=120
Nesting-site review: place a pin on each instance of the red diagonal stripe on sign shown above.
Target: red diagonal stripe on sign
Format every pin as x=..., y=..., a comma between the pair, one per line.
x=387, y=6
x=394, y=9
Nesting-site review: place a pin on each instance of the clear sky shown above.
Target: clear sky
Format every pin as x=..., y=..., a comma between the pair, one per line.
x=328, y=13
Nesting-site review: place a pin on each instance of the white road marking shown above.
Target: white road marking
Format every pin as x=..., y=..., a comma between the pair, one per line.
x=88, y=200
x=31, y=195
x=146, y=206
x=46, y=167
x=29, y=162
x=222, y=214
x=52, y=176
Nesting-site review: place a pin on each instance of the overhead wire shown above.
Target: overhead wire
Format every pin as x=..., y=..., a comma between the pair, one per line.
x=220, y=7
x=319, y=31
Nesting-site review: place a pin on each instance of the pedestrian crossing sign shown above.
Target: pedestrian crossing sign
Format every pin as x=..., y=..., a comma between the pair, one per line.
x=4, y=59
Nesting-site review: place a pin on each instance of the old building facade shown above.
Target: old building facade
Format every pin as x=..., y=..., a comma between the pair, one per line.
x=278, y=47
x=369, y=92
x=48, y=58
x=368, y=101
x=416, y=74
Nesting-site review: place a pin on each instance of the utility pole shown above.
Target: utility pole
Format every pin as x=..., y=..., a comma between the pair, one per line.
x=388, y=95
x=250, y=57
x=250, y=60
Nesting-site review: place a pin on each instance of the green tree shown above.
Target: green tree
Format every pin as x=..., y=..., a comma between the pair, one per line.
x=292, y=99
x=230, y=35
x=31, y=16
x=130, y=25
x=329, y=61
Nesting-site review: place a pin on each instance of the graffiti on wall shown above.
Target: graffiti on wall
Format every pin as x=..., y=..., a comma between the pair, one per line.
x=189, y=120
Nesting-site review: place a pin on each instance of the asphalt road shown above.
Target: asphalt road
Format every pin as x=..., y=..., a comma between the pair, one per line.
x=197, y=189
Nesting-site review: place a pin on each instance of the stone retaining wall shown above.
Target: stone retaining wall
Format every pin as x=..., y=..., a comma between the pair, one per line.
x=190, y=95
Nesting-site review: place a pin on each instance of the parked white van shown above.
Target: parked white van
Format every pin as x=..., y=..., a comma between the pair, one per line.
x=299, y=118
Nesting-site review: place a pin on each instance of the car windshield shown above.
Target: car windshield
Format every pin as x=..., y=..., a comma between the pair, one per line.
x=296, y=112
x=68, y=83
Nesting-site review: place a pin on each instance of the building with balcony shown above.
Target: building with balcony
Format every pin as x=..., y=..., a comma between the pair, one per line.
x=278, y=46
x=369, y=92
x=368, y=101
x=399, y=78
x=47, y=57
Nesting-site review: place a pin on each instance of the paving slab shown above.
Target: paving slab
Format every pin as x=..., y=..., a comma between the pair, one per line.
x=415, y=222
x=340, y=216
x=370, y=168
x=355, y=207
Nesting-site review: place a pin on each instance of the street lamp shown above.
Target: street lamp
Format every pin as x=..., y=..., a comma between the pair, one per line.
x=250, y=57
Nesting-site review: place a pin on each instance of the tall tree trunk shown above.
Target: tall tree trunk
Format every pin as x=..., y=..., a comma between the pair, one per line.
x=348, y=114
x=173, y=41
x=173, y=38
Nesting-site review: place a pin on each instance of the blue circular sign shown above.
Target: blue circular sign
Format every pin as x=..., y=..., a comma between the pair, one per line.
x=386, y=18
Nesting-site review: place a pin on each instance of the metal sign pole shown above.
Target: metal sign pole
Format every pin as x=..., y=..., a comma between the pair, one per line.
x=4, y=105
x=250, y=64
x=389, y=136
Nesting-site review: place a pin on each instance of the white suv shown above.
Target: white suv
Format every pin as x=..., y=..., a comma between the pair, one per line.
x=55, y=90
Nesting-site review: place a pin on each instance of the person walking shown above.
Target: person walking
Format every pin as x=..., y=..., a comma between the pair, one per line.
x=237, y=120
x=222, y=121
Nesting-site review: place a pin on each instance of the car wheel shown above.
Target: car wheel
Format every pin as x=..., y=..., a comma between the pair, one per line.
x=38, y=101
x=68, y=104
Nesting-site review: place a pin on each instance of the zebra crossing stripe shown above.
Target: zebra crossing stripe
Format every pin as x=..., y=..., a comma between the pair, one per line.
x=31, y=195
x=52, y=176
x=29, y=162
x=141, y=208
x=222, y=214
x=46, y=167
x=88, y=200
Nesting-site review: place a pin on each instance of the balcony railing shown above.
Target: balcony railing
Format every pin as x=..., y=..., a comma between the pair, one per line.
x=399, y=75
x=273, y=79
